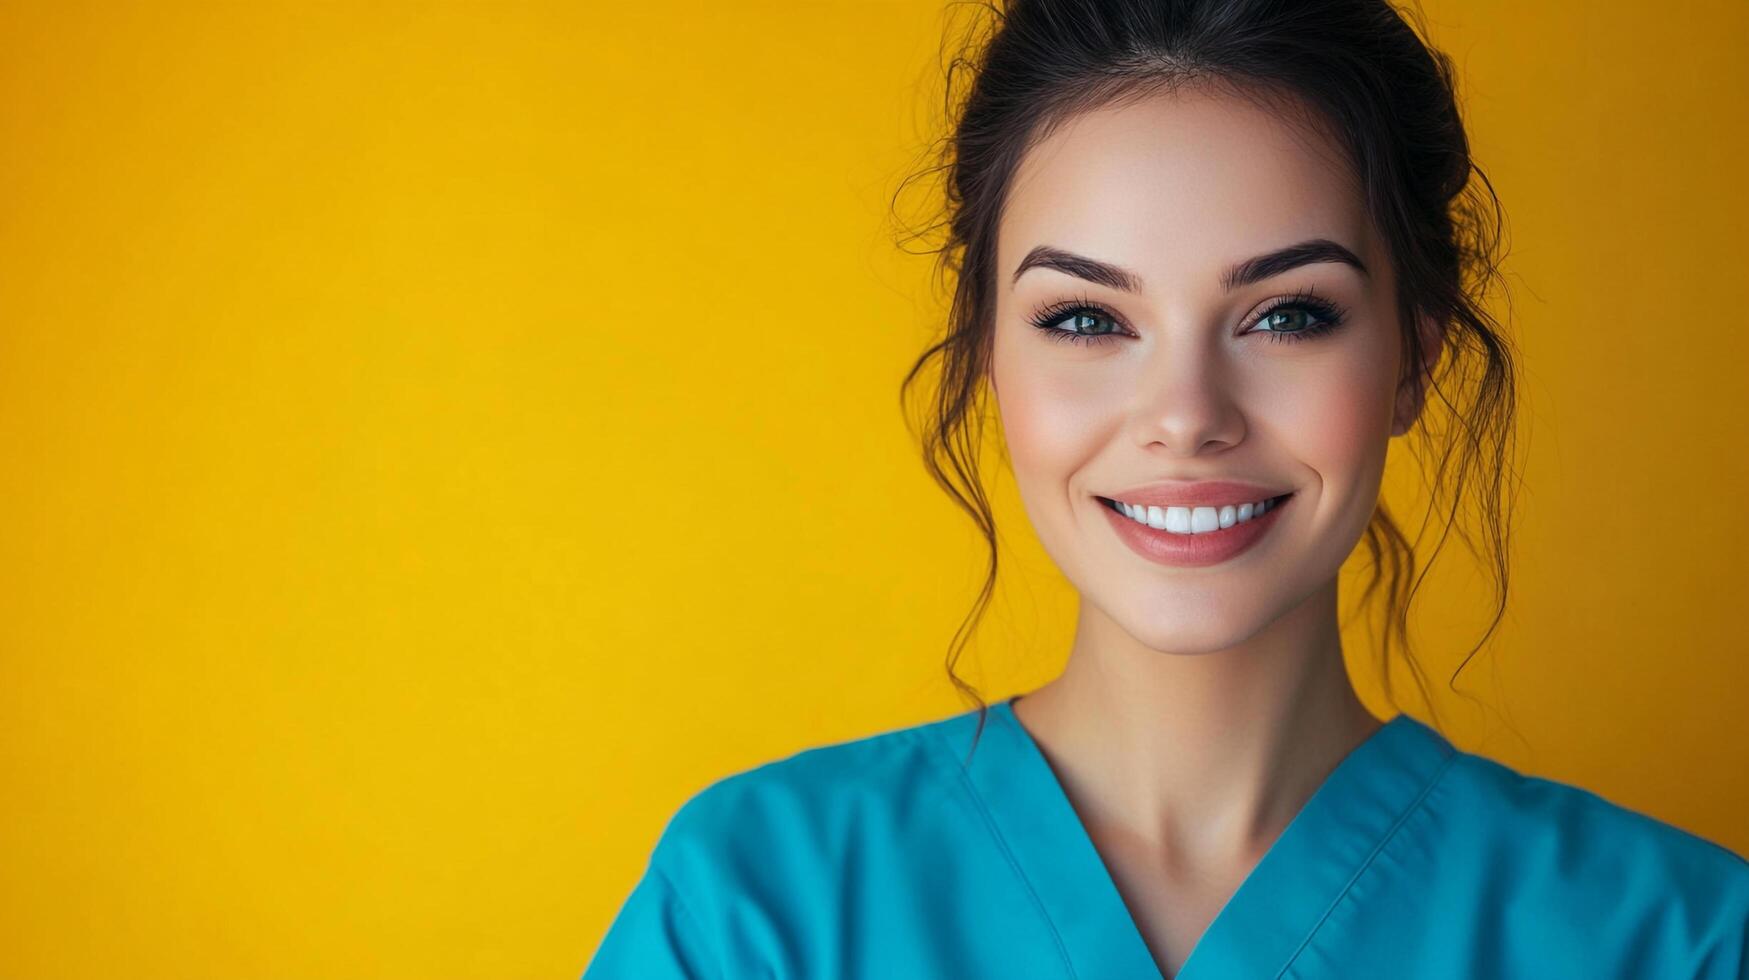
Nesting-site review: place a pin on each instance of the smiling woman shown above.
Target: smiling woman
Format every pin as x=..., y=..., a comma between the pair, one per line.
x=1211, y=258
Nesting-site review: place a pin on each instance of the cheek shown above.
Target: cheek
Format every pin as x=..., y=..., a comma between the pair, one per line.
x=1052, y=418
x=1338, y=420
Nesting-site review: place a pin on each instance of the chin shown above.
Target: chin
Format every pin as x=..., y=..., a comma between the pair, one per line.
x=1211, y=632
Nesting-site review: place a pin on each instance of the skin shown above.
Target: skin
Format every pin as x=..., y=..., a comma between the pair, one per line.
x=1200, y=707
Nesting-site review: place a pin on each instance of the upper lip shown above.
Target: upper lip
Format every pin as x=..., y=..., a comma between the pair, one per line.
x=1206, y=493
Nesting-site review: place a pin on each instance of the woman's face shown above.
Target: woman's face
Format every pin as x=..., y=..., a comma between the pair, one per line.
x=1182, y=380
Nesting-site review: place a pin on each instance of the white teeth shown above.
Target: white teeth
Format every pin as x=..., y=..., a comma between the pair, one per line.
x=1194, y=520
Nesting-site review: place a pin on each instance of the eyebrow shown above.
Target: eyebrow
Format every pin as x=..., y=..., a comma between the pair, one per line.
x=1254, y=269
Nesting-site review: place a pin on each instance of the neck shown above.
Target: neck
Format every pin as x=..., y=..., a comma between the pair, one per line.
x=1202, y=757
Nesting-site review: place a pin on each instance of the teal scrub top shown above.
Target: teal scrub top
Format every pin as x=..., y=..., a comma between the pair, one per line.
x=885, y=857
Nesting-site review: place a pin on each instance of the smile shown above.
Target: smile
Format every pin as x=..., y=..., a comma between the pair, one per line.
x=1193, y=520
x=1193, y=536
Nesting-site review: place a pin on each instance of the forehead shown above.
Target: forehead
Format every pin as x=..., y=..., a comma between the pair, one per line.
x=1177, y=186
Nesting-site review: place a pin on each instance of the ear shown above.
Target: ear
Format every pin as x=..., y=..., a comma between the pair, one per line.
x=1412, y=391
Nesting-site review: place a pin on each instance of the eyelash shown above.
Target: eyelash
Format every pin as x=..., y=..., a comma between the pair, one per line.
x=1330, y=316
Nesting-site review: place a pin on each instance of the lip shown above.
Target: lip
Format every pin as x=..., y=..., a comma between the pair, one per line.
x=1194, y=550
x=1206, y=493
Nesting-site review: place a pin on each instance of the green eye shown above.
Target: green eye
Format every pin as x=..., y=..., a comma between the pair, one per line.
x=1076, y=323
x=1086, y=322
x=1289, y=318
x=1300, y=317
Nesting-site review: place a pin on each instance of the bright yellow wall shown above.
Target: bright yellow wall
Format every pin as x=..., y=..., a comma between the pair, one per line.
x=437, y=438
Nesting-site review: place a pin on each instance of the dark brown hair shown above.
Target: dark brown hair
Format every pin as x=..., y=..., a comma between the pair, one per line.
x=1383, y=92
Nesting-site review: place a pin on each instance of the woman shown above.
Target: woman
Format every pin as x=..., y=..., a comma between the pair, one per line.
x=1211, y=257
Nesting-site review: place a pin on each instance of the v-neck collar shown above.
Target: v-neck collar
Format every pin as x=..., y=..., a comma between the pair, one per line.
x=1274, y=910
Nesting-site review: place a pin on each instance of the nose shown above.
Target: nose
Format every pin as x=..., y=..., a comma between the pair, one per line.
x=1188, y=404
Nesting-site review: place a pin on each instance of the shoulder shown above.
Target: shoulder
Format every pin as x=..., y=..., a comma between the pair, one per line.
x=807, y=811
x=1550, y=844
x=748, y=875
x=1577, y=828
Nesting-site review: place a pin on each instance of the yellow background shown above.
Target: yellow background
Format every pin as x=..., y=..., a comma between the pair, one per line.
x=438, y=438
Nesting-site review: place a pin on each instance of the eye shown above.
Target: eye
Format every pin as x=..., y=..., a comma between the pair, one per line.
x=1302, y=316
x=1077, y=321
